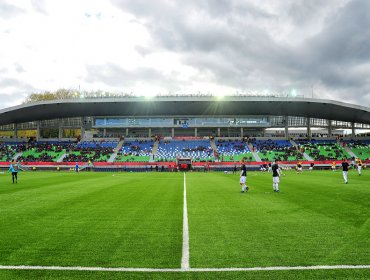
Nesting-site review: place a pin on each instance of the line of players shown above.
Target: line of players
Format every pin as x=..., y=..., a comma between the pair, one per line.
x=277, y=171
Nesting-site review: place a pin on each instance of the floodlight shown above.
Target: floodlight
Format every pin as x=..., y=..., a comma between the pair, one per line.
x=219, y=96
x=293, y=93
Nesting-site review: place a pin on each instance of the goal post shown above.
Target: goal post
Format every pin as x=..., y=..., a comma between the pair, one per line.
x=184, y=164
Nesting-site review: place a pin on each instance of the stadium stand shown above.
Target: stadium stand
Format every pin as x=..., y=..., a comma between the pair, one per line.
x=282, y=150
x=94, y=151
x=198, y=150
x=233, y=150
x=42, y=151
x=137, y=150
x=181, y=125
x=7, y=151
x=361, y=148
x=323, y=149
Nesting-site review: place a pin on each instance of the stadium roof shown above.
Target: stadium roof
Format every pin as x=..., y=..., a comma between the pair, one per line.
x=186, y=106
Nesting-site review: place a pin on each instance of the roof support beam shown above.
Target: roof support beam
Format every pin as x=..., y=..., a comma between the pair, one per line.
x=353, y=129
x=286, y=120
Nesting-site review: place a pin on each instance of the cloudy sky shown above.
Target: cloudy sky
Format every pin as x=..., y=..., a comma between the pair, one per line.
x=162, y=46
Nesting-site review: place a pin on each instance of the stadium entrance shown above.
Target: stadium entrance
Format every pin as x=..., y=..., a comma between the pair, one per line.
x=184, y=164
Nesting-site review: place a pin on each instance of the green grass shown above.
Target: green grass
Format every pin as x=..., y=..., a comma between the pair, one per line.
x=135, y=220
x=278, y=275
x=316, y=219
x=92, y=219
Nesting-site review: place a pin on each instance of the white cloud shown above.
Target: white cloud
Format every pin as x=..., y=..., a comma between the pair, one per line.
x=182, y=46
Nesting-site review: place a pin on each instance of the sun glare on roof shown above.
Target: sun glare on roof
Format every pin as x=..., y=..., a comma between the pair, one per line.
x=219, y=95
x=148, y=95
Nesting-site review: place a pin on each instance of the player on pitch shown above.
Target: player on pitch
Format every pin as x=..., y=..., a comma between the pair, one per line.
x=275, y=176
x=359, y=166
x=243, y=178
x=14, y=168
x=345, y=166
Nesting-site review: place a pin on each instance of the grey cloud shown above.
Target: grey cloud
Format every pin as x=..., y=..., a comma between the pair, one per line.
x=11, y=82
x=8, y=82
x=232, y=40
x=39, y=6
x=334, y=56
x=143, y=50
x=303, y=11
x=13, y=91
x=9, y=11
x=114, y=75
x=346, y=39
x=19, y=68
x=9, y=100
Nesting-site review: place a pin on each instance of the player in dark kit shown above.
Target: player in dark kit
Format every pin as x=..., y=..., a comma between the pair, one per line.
x=243, y=178
x=299, y=167
x=311, y=166
x=275, y=176
x=345, y=166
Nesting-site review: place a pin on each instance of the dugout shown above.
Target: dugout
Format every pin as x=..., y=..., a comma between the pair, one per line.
x=184, y=164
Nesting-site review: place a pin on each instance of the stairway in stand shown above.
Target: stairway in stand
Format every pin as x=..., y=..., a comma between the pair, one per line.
x=115, y=152
x=255, y=155
x=154, y=151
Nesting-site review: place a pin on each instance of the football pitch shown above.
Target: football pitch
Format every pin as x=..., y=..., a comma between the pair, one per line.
x=60, y=220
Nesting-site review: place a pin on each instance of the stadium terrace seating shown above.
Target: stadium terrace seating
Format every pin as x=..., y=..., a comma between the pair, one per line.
x=7, y=151
x=323, y=141
x=360, y=148
x=91, y=151
x=283, y=150
x=198, y=150
x=135, y=151
x=97, y=144
x=323, y=149
x=43, y=151
x=233, y=150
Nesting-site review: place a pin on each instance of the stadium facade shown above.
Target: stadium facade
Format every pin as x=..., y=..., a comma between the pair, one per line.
x=196, y=116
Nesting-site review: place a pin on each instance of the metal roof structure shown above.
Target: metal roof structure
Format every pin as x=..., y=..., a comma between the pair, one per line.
x=186, y=106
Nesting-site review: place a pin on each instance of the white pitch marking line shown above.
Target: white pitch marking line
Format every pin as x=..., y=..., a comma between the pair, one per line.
x=127, y=269
x=185, y=233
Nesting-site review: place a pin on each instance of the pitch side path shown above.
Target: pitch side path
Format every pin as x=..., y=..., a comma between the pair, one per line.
x=136, y=220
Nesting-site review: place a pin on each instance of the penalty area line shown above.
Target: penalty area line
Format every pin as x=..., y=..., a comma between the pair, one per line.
x=127, y=269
